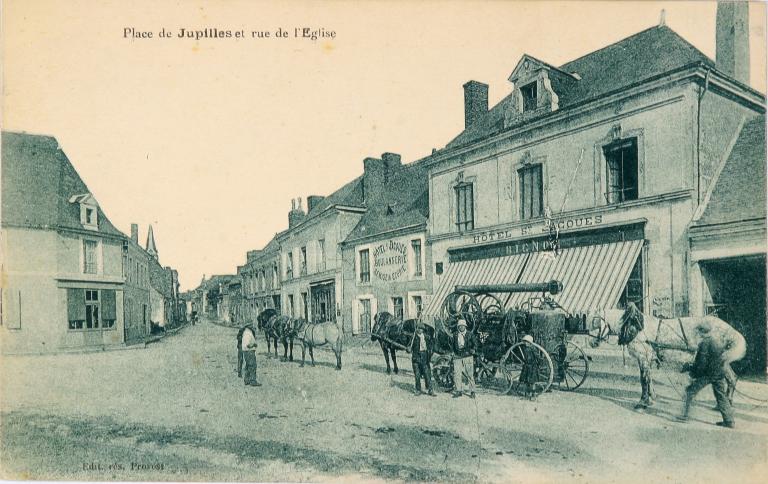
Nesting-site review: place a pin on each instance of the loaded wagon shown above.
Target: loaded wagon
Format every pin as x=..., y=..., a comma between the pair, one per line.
x=501, y=355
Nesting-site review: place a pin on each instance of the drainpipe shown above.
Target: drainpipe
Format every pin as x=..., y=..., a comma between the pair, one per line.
x=698, y=137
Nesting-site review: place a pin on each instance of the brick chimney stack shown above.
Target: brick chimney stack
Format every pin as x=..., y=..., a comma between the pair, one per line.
x=732, y=56
x=475, y=102
x=135, y=233
x=296, y=215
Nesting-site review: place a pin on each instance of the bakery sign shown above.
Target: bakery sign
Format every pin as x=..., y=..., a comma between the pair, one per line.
x=390, y=261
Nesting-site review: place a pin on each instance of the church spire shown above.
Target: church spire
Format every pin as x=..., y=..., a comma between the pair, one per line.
x=151, y=247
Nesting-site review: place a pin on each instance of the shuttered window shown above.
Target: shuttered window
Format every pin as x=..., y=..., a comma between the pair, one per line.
x=91, y=309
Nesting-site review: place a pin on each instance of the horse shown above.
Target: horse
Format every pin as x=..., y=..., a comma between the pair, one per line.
x=281, y=329
x=265, y=322
x=393, y=335
x=315, y=334
x=646, y=336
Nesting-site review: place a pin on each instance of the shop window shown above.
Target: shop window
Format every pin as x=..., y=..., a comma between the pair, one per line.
x=397, y=308
x=365, y=266
x=633, y=291
x=622, y=170
x=418, y=267
x=531, y=192
x=530, y=96
x=90, y=258
x=90, y=309
x=365, y=316
x=303, y=261
x=465, y=210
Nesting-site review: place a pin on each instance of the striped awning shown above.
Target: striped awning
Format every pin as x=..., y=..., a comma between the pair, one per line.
x=497, y=270
x=593, y=276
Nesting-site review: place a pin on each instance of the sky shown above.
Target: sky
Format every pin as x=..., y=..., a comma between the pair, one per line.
x=209, y=139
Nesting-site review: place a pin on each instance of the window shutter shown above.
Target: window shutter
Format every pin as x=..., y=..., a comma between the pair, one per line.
x=76, y=304
x=108, y=306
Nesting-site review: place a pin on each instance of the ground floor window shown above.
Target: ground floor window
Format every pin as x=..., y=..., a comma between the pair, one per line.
x=91, y=309
x=418, y=305
x=633, y=291
x=365, y=316
x=397, y=308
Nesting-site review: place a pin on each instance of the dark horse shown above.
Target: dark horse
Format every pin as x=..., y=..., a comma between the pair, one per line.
x=394, y=334
x=266, y=322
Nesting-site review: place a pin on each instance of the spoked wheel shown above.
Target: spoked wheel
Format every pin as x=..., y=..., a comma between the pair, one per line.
x=442, y=372
x=460, y=305
x=571, y=366
x=539, y=374
x=493, y=378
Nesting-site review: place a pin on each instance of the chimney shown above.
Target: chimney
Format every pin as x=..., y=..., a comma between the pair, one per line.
x=475, y=102
x=732, y=56
x=312, y=201
x=135, y=233
x=296, y=215
x=376, y=174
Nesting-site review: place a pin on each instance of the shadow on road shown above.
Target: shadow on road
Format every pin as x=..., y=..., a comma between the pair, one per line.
x=404, y=460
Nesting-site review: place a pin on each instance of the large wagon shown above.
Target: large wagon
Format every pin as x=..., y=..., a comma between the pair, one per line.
x=501, y=356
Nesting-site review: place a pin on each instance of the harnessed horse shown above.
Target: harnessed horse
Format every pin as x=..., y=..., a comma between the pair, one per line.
x=647, y=336
x=315, y=334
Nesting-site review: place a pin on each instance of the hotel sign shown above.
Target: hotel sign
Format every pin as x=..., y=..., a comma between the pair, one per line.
x=390, y=261
x=534, y=230
x=501, y=247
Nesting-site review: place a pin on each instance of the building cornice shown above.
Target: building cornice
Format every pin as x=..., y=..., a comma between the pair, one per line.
x=386, y=234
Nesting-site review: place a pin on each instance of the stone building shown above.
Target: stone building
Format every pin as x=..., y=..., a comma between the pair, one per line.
x=64, y=284
x=728, y=243
x=590, y=173
x=310, y=252
x=137, y=289
x=261, y=280
x=386, y=264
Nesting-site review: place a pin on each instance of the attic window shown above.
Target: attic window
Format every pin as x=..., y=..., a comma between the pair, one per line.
x=529, y=93
x=89, y=214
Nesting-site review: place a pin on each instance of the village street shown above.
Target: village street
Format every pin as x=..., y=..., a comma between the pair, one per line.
x=177, y=411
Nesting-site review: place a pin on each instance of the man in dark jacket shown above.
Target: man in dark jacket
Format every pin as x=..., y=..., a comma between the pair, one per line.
x=421, y=352
x=708, y=369
x=464, y=347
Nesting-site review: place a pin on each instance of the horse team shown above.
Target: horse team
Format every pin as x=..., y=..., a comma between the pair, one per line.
x=277, y=327
x=646, y=337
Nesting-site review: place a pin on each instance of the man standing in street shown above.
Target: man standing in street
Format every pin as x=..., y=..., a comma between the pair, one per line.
x=421, y=353
x=708, y=369
x=464, y=346
x=248, y=347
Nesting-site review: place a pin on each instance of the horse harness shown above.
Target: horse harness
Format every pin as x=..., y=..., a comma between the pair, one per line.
x=682, y=335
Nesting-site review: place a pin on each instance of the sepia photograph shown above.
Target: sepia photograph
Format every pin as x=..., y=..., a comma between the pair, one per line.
x=383, y=241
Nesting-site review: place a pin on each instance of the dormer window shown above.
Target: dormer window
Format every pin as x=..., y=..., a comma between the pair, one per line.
x=529, y=92
x=89, y=214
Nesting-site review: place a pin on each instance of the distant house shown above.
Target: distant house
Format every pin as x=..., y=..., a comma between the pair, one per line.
x=63, y=260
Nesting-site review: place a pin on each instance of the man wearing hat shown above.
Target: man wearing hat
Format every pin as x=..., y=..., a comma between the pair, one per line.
x=421, y=352
x=708, y=369
x=464, y=346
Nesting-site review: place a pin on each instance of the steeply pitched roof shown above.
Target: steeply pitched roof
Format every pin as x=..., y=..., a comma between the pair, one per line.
x=37, y=183
x=404, y=202
x=350, y=194
x=739, y=192
x=635, y=59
